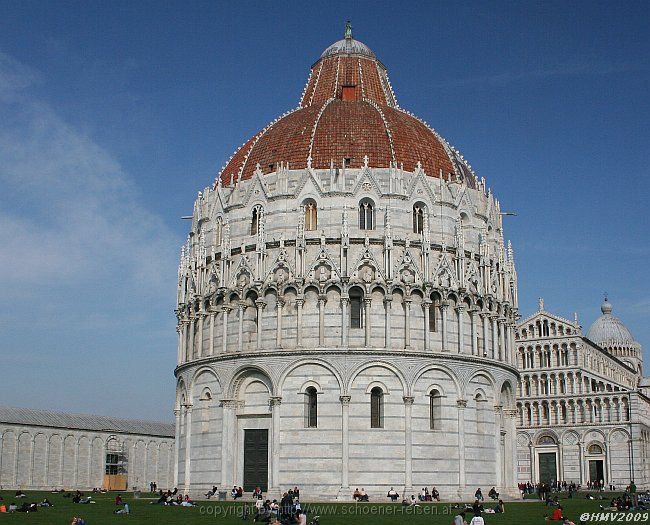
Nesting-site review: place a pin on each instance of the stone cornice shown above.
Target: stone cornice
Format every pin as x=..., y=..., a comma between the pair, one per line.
x=362, y=351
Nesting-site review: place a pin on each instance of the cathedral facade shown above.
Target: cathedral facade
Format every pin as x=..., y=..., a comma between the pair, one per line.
x=583, y=414
x=347, y=306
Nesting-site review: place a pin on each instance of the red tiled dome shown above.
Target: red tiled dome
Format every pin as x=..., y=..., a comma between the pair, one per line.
x=348, y=111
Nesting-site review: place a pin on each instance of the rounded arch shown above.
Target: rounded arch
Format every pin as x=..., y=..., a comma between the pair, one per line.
x=507, y=395
x=378, y=384
x=547, y=437
x=485, y=374
x=245, y=372
x=309, y=361
x=437, y=367
x=205, y=369
x=381, y=364
x=182, y=395
x=308, y=385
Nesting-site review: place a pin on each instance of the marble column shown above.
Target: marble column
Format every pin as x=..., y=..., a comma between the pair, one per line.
x=443, y=309
x=498, y=460
x=299, y=304
x=259, y=304
x=407, y=324
x=228, y=433
x=461, y=404
x=484, y=322
x=240, y=325
x=580, y=462
x=473, y=330
x=367, y=304
x=188, y=447
x=179, y=348
x=408, y=444
x=461, y=329
x=388, y=306
x=345, y=322
x=278, y=334
x=190, y=353
x=501, y=333
x=495, y=336
x=224, y=320
x=211, y=332
x=345, y=446
x=321, y=319
x=427, y=336
x=200, y=335
x=275, y=401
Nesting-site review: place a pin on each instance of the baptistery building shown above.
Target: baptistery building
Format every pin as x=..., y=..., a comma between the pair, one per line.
x=346, y=305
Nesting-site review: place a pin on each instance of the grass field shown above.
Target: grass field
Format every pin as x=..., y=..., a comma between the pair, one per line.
x=142, y=512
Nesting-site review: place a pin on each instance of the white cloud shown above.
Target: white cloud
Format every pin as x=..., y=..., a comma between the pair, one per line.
x=70, y=216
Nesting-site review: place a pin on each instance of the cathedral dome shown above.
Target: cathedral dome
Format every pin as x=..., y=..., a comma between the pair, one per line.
x=348, y=116
x=608, y=329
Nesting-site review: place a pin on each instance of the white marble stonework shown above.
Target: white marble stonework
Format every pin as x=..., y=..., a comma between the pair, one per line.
x=583, y=401
x=265, y=312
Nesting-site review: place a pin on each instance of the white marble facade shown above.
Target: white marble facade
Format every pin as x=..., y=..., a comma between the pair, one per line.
x=353, y=287
x=582, y=402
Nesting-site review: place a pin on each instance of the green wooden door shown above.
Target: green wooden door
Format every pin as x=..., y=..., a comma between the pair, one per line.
x=256, y=459
x=547, y=467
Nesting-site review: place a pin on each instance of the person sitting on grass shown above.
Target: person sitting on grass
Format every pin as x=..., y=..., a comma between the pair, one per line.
x=45, y=503
x=13, y=507
x=77, y=520
x=356, y=494
x=118, y=500
x=20, y=494
x=187, y=502
x=477, y=508
x=557, y=514
x=435, y=494
x=500, y=507
x=477, y=520
x=124, y=510
x=363, y=496
x=392, y=494
x=413, y=502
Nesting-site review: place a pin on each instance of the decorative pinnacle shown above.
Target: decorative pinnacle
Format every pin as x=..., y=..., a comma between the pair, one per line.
x=348, y=29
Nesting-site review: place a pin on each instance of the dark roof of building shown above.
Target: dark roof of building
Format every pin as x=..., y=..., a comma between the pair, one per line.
x=47, y=418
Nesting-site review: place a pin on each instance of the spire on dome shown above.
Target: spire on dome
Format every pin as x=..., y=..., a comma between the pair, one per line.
x=348, y=29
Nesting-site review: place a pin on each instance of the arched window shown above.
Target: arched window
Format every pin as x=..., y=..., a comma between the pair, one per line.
x=418, y=217
x=376, y=408
x=311, y=407
x=311, y=215
x=205, y=400
x=366, y=215
x=218, y=231
x=595, y=449
x=481, y=413
x=435, y=408
x=356, y=308
x=256, y=219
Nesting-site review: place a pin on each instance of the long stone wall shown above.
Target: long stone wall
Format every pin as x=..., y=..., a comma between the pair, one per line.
x=45, y=458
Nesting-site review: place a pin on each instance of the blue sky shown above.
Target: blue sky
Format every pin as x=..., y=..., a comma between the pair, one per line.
x=113, y=115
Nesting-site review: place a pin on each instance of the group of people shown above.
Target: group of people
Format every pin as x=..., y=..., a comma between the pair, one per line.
x=286, y=512
x=476, y=511
x=360, y=495
x=173, y=498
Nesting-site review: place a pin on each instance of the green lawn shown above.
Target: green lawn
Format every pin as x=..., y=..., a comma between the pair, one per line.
x=101, y=513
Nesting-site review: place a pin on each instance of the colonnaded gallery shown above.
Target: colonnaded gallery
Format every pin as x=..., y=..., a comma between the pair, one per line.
x=347, y=317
